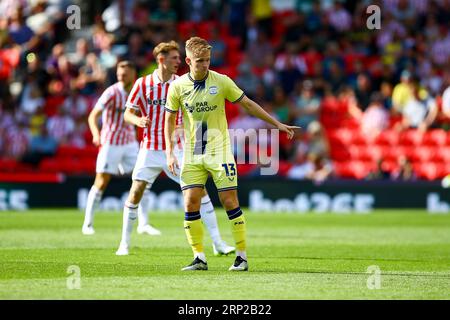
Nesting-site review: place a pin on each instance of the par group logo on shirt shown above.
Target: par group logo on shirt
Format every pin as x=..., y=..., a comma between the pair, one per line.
x=213, y=90
x=188, y=107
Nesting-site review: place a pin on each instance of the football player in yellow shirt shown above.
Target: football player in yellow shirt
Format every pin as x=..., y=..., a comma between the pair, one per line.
x=201, y=95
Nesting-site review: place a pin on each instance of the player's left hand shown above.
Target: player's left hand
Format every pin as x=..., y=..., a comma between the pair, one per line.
x=288, y=129
x=172, y=164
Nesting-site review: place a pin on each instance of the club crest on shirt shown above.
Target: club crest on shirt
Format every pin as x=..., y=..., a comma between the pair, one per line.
x=213, y=90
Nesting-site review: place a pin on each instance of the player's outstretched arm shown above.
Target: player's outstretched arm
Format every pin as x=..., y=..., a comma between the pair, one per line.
x=169, y=130
x=93, y=125
x=131, y=116
x=255, y=110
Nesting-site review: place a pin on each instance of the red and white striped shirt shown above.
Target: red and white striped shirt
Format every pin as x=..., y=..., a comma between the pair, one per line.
x=115, y=130
x=149, y=96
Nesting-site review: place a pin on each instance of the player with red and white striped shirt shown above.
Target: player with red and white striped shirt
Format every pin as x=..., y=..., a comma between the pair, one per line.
x=117, y=142
x=145, y=109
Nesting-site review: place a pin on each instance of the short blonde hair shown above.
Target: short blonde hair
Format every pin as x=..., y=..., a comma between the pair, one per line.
x=197, y=46
x=165, y=48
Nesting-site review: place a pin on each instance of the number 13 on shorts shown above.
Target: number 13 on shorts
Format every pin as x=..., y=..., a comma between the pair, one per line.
x=230, y=169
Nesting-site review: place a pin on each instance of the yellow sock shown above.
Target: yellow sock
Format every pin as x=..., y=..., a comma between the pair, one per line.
x=194, y=234
x=238, y=228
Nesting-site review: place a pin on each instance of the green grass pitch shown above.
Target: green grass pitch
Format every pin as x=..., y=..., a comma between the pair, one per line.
x=291, y=256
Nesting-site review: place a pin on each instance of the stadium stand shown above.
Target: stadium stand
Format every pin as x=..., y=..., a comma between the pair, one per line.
x=41, y=62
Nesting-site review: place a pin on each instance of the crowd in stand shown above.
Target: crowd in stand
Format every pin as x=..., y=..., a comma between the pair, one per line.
x=290, y=56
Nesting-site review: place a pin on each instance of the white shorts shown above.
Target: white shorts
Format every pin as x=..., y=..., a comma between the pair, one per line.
x=114, y=159
x=150, y=163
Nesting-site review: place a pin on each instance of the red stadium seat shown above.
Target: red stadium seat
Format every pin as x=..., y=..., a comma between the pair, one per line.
x=430, y=170
x=411, y=137
x=378, y=152
x=49, y=165
x=353, y=169
x=343, y=135
x=339, y=153
x=389, y=166
x=422, y=153
x=8, y=165
x=393, y=153
x=436, y=137
x=387, y=137
x=443, y=153
x=361, y=153
x=185, y=28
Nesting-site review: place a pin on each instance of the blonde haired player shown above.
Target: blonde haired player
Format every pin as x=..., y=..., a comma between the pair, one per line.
x=117, y=142
x=145, y=109
x=201, y=95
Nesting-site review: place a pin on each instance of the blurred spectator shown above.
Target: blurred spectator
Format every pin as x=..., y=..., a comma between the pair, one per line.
x=440, y=48
x=404, y=11
x=290, y=67
x=317, y=140
x=41, y=145
x=77, y=137
x=379, y=173
x=260, y=49
x=106, y=57
x=99, y=36
x=117, y=14
x=91, y=75
x=66, y=74
x=16, y=141
x=269, y=75
x=307, y=105
x=8, y=7
x=386, y=93
x=262, y=11
x=433, y=82
x=363, y=91
x=402, y=92
x=302, y=168
x=375, y=119
x=164, y=16
x=19, y=31
x=313, y=18
x=60, y=126
x=418, y=113
x=78, y=58
x=336, y=76
x=246, y=79
x=237, y=10
x=340, y=19
x=281, y=105
x=137, y=50
x=32, y=98
x=405, y=171
x=75, y=105
x=219, y=48
x=446, y=102
x=332, y=56
x=52, y=63
x=315, y=168
x=37, y=121
x=140, y=14
x=322, y=168
x=200, y=10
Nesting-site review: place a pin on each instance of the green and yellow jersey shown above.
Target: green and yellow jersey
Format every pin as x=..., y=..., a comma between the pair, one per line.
x=203, y=107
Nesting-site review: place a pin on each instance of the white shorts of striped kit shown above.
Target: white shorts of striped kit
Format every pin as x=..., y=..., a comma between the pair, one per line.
x=151, y=163
x=117, y=159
